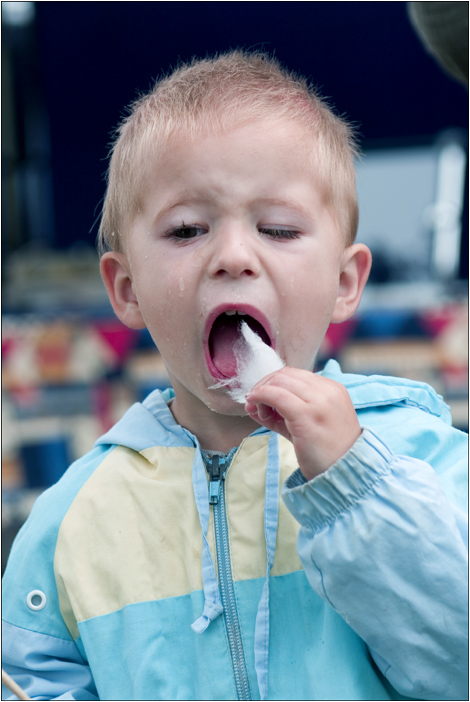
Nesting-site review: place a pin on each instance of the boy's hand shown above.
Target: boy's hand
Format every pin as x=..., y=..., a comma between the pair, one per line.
x=316, y=414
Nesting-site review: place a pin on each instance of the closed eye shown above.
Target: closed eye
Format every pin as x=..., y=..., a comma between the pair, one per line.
x=275, y=233
x=185, y=232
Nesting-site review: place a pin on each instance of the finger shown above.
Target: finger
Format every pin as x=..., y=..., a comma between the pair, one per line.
x=269, y=418
x=301, y=382
x=324, y=393
x=286, y=403
x=259, y=410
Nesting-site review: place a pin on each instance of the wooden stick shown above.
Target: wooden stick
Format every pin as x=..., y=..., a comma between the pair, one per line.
x=14, y=687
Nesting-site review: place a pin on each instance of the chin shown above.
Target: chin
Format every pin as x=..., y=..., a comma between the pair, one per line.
x=221, y=403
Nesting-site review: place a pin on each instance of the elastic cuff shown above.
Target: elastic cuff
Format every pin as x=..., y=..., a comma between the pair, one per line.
x=295, y=479
x=316, y=502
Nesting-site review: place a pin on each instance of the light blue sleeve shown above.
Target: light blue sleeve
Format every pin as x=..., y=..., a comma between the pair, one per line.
x=44, y=666
x=382, y=544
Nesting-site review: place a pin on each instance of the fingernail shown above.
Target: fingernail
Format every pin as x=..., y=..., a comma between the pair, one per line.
x=265, y=412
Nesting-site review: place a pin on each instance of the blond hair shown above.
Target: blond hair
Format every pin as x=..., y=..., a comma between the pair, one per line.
x=214, y=94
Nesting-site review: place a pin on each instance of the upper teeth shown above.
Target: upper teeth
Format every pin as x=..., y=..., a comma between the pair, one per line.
x=230, y=313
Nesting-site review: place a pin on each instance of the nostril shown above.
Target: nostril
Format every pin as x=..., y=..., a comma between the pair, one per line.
x=235, y=273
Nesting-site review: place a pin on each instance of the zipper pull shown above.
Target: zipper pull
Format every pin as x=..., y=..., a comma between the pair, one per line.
x=214, y=468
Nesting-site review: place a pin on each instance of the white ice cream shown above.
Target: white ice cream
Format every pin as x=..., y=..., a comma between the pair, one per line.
x=255, y=360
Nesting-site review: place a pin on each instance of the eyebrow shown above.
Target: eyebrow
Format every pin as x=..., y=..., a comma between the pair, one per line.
x=278, y=202
x=187, y=197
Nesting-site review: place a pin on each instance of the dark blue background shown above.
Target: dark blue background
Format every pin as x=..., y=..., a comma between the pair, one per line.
x=95, y=57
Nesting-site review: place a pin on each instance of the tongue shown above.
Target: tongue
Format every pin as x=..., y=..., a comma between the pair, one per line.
x=223, y=340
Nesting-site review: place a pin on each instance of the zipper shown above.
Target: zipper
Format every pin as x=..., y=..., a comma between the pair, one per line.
x=216, y=468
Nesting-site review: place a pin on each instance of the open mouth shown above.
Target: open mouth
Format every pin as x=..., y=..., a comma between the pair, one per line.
x=224, y=334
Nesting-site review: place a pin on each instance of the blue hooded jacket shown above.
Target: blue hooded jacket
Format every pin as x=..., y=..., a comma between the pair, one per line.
x=125, y=583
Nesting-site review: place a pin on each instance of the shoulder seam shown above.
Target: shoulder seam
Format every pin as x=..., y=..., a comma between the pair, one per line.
x=41, y=633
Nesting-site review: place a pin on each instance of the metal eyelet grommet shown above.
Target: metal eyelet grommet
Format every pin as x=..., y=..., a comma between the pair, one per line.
x=36, y=600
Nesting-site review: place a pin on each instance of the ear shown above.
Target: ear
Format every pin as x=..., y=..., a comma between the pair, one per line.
x=355, y=269
x=117, y=278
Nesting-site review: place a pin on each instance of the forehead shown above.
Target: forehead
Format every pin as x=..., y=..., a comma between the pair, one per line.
x=266, y=131
x=265, y=150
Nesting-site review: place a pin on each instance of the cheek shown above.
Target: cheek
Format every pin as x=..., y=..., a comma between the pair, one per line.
x=314, y=298
x=155, y=302
x=318, y=313
x=307, y=317
x=165, y=304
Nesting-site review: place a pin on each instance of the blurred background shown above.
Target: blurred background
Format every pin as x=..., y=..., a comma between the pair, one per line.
x=70, y=369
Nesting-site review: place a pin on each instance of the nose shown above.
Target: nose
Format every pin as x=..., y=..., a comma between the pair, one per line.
x=234, y=254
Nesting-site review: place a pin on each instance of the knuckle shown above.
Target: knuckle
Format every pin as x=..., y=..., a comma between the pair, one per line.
x=332, y=396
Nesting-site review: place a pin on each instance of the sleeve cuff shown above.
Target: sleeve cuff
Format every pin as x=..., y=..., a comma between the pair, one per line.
x=316, y=502
x=295, y=479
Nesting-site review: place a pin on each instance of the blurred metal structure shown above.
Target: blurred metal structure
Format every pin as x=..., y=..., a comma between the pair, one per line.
x=27, y=201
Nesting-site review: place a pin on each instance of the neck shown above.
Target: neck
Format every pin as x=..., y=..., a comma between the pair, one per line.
x=215, y=432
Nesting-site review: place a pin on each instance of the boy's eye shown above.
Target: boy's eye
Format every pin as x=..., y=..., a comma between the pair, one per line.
x=186, y=231
x=276, y=233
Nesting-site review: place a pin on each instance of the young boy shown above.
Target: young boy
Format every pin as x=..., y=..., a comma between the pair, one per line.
x=165, y=564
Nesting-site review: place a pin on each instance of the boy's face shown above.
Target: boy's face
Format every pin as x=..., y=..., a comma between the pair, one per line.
x=232, y=222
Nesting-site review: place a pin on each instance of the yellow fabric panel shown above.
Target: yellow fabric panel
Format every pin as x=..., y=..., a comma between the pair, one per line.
x=244, y=499
x=245, y=486
x=131, y=535
x=286, y=559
